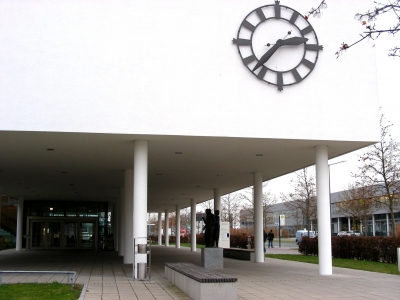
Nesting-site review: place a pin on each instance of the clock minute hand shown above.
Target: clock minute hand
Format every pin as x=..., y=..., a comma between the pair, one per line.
x=294, y=41
x=267, y=55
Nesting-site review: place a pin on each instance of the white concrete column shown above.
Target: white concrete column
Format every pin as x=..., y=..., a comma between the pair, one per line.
x=178, y=227
x=217, y=200
x=121, y=222
x=159, y=229
x=258, y=218
x=166, y=226
x=193, y=224
x=348, y=223
x=323, y=206
x=128, y=217
x=373, y=225
x=20, y=221
x=339, y=225
x=140, y=170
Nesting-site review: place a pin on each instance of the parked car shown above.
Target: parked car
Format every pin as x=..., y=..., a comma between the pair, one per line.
x=301, y=233
x=344, y=233
x=355, y=232
x=349, y=233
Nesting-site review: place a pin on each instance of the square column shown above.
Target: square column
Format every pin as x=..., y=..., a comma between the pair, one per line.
x=323, y=207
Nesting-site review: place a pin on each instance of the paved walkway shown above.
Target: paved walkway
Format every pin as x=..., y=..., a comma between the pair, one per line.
x=106, y=277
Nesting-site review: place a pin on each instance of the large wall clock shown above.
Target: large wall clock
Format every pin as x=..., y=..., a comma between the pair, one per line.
x=277, y=45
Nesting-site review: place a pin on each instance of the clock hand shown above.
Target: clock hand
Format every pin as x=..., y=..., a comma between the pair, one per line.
x=267, y=55
x=294, y=41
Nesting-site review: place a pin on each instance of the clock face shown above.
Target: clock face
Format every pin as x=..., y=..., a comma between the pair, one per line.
x=277, y=45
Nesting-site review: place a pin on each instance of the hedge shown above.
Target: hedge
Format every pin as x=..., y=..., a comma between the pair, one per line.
x=371, y=248
x=237, y=241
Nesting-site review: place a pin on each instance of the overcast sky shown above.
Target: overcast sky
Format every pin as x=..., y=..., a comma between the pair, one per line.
x=388, y=85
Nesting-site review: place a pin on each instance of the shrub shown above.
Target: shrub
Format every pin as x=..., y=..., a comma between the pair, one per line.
x=309, y=246
x=371, y=248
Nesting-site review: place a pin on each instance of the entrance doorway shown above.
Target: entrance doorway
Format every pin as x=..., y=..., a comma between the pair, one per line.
x=62, y=234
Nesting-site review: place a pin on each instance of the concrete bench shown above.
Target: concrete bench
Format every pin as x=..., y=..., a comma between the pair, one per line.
x=238, y=253
x=200, y=283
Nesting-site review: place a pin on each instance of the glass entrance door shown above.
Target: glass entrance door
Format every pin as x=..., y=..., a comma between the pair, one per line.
x=54, y=231
x=38, y=235
x=87, y=235
x=70, y=234
x=45, y=235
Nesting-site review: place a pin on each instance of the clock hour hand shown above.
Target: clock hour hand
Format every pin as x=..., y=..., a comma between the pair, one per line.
x=267, y=55
x=294, y=41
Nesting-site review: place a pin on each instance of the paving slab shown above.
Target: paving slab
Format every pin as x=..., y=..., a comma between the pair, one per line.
x=108, y=278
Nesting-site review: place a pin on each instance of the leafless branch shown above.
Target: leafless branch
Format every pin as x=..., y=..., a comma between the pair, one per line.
x=372, y=32
x=316, y=12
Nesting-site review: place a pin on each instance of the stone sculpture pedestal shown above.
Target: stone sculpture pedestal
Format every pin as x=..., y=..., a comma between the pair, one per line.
x=212, y=258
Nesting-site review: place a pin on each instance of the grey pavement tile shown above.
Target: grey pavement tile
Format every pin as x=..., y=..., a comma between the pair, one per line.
x=107, y=276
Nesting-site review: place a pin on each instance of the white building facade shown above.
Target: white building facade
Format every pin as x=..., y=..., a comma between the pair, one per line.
x=148, y=106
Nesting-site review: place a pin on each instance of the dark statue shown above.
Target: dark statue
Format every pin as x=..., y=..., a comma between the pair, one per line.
x=217, y=226
x=209, y=227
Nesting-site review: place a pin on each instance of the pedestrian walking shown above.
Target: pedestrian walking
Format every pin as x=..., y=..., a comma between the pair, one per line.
x=270, y=238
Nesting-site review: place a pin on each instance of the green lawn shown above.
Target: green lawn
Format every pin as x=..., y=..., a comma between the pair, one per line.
x=187, y=245
x=39, y=291
x=343, y=263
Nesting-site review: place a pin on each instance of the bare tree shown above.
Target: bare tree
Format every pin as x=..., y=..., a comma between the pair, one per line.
x=304, y=196
x=247, y=199
x=380, y=169
x=357, y=203
x=207, y=204
x=230, y=209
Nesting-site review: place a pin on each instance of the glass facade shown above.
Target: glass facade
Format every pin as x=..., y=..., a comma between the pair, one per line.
x=71, y=212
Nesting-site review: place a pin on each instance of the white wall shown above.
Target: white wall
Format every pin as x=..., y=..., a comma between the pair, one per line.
x=169, y=67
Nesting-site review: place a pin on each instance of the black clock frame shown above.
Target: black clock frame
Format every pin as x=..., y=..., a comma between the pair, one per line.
x=308, y=47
